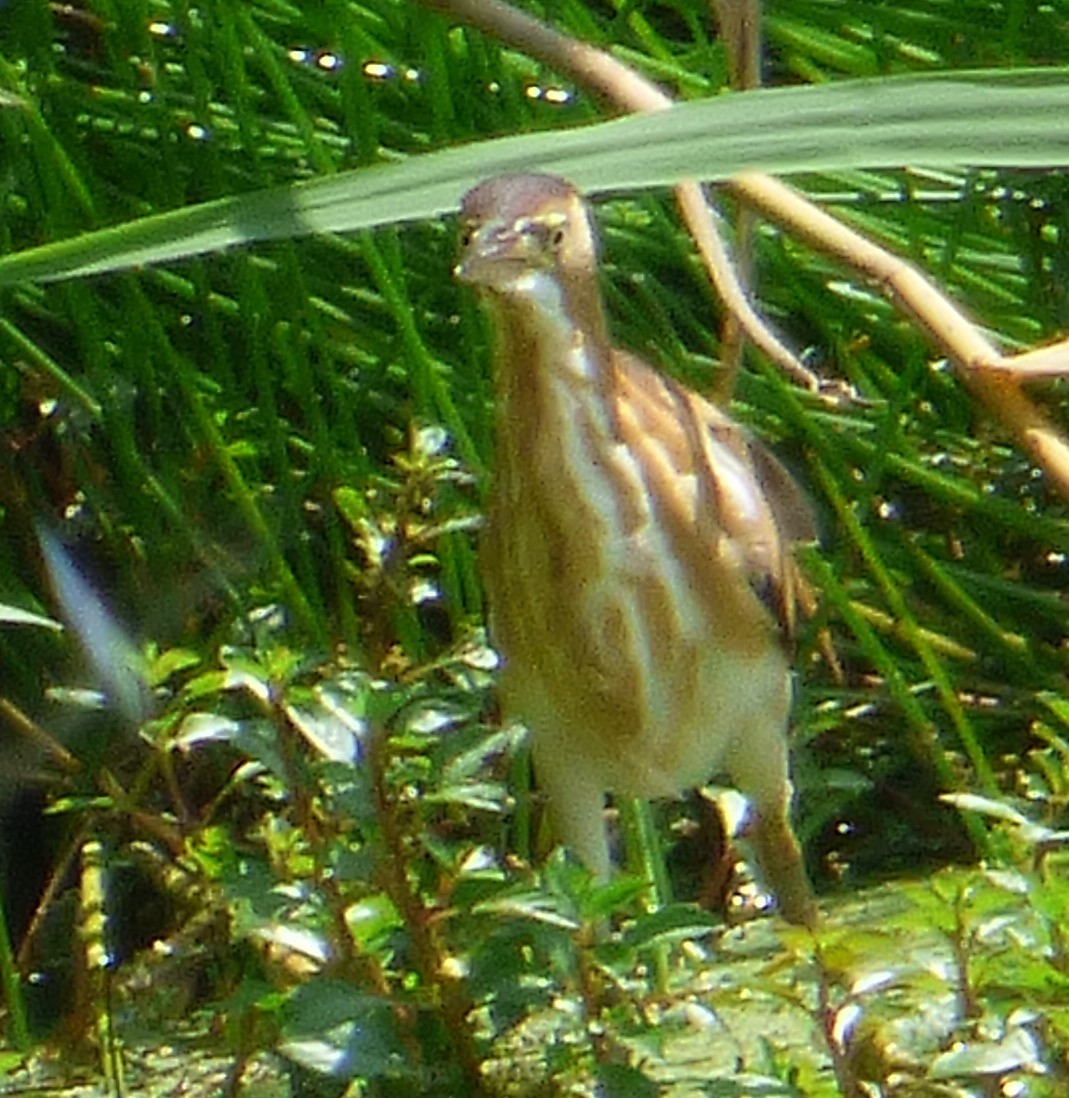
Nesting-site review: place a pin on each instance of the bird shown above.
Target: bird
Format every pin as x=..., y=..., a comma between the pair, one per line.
x=637, y=551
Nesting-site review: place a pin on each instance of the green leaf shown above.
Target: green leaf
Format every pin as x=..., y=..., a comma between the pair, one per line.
x=334, y=1029
x=1018, y=1051
x=1014, y=118
x=625, y=1081
x=674, y=923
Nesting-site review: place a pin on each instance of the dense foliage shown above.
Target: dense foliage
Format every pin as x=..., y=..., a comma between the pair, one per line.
x=264, y=468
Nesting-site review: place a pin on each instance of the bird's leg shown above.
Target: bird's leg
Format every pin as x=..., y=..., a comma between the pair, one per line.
x=761, y=773
x=577, y=804
x=780, y=858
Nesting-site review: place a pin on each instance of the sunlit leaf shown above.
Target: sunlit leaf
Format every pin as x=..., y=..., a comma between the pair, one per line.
x=335, y=1029
x=1017, y=1051
x=13, y=615
x=1016, y=117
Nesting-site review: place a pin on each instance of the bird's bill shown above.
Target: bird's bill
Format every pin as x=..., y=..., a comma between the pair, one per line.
x=499, y=252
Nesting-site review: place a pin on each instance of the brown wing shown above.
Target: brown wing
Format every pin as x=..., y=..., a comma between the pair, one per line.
x=745, y=494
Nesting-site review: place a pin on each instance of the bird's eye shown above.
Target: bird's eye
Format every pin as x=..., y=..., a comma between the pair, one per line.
x=467, y=234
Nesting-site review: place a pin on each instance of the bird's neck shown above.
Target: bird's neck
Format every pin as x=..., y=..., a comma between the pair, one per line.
x=550, y=331
x=554, y=382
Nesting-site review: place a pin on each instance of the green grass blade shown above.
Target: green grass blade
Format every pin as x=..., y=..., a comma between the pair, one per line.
x=1018, y=118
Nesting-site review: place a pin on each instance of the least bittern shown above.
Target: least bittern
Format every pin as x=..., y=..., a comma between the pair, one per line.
x=637, y=550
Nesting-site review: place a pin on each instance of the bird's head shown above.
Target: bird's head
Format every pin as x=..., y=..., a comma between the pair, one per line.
x=519, y=229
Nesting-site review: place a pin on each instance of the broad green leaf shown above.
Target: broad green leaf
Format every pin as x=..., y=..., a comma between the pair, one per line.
x=1008, y=118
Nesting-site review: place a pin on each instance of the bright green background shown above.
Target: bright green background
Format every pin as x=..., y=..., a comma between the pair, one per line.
x=209, y=432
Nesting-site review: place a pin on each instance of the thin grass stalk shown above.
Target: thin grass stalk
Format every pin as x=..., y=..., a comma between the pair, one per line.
x=11, y=981
x=923, y=734
x=279, y=80
x=870, y=554
x=290, y=348
x=260, y=309
x=1013, y=646
x=244, y=497
x=43, y=361
x=646, y=858
x=433, y=398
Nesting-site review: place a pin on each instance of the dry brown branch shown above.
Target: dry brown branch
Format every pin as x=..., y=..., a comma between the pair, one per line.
x=989, y=376
x=40, y=737
x=1039, y=364
x=738, y=23
x=994, y=379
